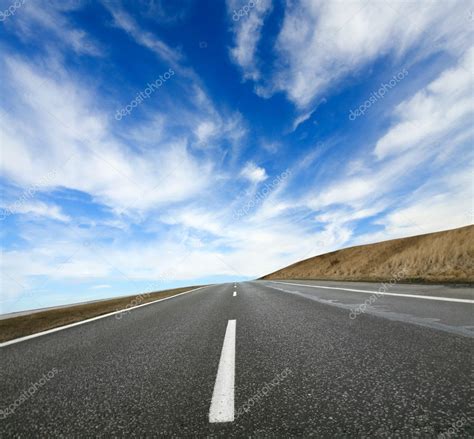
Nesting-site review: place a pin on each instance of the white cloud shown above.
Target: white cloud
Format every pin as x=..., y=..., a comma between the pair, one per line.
x=439, y=110
x=197, y=111
x=39, y=209
x=146, y=39
x=254, y=173
x=195, y=218
x=210, y=125
x=52, y=17
x=301, y=119
x=69, y=137
x=271, y=147
x=247, y=30
x=163, y=259
x=165, y=12
x=345, y=215
x=433, y=128
x=440, y=204
x=323, y=42
x=205, y=130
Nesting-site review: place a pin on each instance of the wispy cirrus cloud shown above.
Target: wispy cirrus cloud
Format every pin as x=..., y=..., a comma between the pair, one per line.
x=247, y=28
x=80, y=146
x=126, y=22
x=436, y=113
x=51, y=18
x=320, y=44
x=35, y=209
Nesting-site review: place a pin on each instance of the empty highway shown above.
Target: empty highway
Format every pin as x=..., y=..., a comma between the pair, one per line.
x=253, y=359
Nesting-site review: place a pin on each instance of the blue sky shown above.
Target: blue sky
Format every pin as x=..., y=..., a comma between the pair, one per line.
x=153, y=144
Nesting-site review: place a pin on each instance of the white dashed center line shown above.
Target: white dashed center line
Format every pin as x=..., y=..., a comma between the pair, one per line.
x=235, y=293
x=222, y=405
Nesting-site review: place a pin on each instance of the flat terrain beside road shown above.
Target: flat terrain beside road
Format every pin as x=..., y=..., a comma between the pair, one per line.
x=31, y=323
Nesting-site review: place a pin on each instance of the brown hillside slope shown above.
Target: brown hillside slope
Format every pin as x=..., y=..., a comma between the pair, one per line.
x=446, y=256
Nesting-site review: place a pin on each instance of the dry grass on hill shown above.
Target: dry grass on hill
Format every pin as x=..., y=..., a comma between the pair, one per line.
x=440, y=257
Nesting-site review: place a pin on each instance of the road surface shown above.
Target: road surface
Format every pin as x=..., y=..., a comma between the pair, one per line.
x=260, y=359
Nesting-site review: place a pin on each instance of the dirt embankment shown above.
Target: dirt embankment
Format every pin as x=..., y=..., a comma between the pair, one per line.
x=27, y=324
x=440, y=257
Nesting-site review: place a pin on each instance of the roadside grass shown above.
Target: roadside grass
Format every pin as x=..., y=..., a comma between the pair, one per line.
x=441, y=257
x=23, y=325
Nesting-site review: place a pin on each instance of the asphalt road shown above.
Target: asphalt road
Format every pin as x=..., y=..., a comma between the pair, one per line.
x=292, y=364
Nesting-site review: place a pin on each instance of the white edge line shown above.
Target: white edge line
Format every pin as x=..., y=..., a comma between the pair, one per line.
x=222, y=404
x=102, y=316
x=415, y=296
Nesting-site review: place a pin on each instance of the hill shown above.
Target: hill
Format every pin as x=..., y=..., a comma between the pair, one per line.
x=439, y=257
